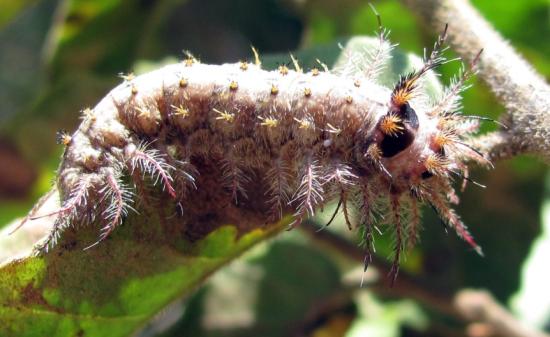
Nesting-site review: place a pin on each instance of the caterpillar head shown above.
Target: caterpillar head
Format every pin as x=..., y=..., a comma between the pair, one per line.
x=404, y=141
x=413, y=140
x=414, y=150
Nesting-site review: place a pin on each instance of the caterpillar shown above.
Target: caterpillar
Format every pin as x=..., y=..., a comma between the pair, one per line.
x=305, y=137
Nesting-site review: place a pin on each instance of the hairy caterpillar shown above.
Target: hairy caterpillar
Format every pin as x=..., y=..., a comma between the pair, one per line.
x=305, y=137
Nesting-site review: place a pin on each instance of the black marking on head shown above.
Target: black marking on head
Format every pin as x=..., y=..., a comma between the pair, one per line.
x=391, y=146
x=426, y=175
x=408, y=115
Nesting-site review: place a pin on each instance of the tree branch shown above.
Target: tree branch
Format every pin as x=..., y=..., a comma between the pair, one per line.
x=522, y=91
x=498, y=145
x=480, y=306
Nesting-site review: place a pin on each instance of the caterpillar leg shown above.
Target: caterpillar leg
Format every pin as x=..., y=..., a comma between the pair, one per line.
x=449, y=217
x=414, y=225
x=75, y=203
x=234, y=179
x=342, y=179
x=277, y=179
x=399, y=239
x=367, y=223
x=119, y=198
x=153, y=163
x=309, y=194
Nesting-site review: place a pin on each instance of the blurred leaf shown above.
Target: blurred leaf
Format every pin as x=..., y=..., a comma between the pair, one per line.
x=57, y=108
x=330, y=20
x=385, y=319
x=263, y=293
x=21, y=71
x=10, y=9
x=98, y=35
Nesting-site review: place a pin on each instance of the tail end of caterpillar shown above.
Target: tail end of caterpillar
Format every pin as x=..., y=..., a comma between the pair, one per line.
x=104, y=196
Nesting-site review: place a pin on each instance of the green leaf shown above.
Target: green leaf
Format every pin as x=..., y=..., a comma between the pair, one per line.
x=116, y=287
x=105, y=35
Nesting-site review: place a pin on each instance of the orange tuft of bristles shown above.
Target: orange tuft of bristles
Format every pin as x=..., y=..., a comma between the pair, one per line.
x=436, y=164
x=444, y=138
x=404, y=90
x=402, y=96
x=391, y=125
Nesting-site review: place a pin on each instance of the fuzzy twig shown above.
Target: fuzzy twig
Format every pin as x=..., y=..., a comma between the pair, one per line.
x=520, y=89
x=498, y=145
x=480, y=306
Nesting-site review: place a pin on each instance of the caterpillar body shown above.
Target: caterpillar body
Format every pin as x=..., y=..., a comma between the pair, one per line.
x=303, y=138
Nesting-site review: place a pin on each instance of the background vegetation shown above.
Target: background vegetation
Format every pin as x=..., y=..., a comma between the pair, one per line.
x=57, y=57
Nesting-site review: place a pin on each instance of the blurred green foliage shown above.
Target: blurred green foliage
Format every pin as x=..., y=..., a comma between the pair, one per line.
x=57, y=57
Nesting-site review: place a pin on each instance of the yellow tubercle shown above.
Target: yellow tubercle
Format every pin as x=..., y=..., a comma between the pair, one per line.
x=283, y=70
x=233, y=86
x=269, y=122
x=304, y=123
x=180, y=111
x=88, y=114
x=225, y=116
